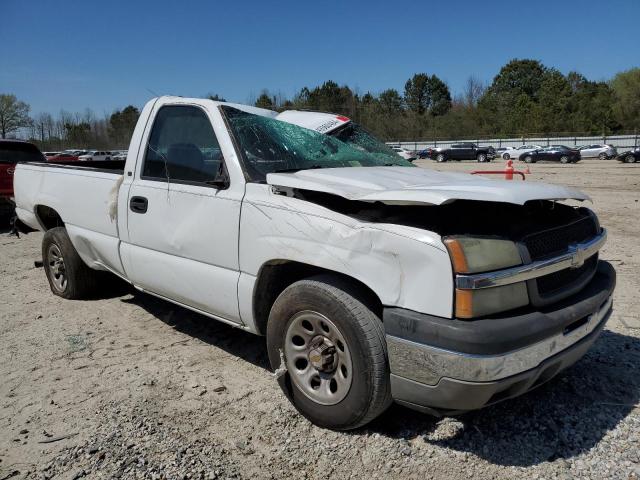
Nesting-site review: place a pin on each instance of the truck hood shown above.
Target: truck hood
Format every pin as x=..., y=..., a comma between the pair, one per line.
x=408, y=186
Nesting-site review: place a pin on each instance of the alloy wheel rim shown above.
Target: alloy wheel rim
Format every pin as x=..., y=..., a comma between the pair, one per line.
x=318, y=358
x=55, y=261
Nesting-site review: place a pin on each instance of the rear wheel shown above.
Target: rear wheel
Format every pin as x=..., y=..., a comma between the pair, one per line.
x=564, y=159
x=440, y=158
x=332, y=344
x=629, y=159
x=68, y=276
x=528, y=159
x=506, y=156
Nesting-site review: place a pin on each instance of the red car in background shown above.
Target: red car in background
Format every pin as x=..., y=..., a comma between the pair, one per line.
x=13, y=152
x=65, y=157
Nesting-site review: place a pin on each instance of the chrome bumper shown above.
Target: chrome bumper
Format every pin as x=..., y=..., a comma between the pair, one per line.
x=427, y=364
x=574, y=258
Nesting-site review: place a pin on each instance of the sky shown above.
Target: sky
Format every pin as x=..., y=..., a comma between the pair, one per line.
x=104, y=55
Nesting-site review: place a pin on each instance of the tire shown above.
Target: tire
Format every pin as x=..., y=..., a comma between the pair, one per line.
x=482, y=157
x=68, y=276
x=629, y=159
x=529, y=159
x=364, y=392
x=440, y=158
x=564, y=159
x=506, y=156
x=602, y=156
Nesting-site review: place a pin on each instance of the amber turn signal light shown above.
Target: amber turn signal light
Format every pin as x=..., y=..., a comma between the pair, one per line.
x=464, y=303
x=456, y=253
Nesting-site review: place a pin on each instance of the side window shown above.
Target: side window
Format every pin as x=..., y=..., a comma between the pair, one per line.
x=182, y=147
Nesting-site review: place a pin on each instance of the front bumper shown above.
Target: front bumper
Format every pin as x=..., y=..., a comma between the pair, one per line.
x=442, y=365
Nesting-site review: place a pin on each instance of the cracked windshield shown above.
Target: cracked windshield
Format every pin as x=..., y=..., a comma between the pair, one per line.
x=271, y=146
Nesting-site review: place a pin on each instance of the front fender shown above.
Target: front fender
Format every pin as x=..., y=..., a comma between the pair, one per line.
x=406, y=267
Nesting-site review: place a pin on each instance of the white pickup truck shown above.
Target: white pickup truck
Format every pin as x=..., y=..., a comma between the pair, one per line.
x=373, y=280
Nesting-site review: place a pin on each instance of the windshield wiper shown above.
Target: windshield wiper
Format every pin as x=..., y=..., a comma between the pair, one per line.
x=297, y=169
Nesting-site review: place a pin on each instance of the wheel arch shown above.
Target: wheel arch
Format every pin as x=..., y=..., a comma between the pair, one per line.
x=48, y=217
x=275, y=276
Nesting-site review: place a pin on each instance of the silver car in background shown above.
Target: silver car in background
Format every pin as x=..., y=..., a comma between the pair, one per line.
x=603, y=152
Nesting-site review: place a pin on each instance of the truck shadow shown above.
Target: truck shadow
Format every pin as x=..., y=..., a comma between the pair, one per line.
x=564, y=417
x=561, y=419
x=234, y=341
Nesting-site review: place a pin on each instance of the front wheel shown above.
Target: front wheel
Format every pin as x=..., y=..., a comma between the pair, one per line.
x=506, y=156
x=336, y=371
x=564, y=159
x=440, y=158
x=629, y=159
x=68, y=275
x=481, y=157
x=528, y=159
x=602, y=156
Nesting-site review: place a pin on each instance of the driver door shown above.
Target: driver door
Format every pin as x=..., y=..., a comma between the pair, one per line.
x=182, y=229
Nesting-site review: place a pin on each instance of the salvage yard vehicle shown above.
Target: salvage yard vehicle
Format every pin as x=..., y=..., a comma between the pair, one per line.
x=95, y=156
x=630, y=156
x=603, y=152
x=13, y=152
x=463, y=151
x=515, y=152
x=552, y=153
x=373, y=280
x=405, y=153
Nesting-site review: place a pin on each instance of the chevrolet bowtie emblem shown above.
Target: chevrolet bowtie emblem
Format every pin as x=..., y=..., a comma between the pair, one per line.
x=577, y=255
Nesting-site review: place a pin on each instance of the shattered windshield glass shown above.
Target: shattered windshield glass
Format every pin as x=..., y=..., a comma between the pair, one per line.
x=272, y=146
x=356, y=136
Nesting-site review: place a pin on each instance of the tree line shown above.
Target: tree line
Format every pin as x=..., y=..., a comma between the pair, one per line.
x=525, y=98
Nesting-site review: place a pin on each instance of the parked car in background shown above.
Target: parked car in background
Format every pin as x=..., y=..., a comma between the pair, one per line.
x=62, y=157
x=95, y=155
x=464, y=151
x=515, y=152
x=630, y=156
x=50, y=154
x=13, y=152
x=425, y=153
x=119, y=155
x=603, y=152
x=405, y=153
x=552, y=153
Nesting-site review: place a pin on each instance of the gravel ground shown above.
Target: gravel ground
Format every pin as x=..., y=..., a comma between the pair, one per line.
x=128, y=386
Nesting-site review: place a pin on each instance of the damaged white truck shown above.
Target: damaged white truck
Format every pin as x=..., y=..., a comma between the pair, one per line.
x=373, y=280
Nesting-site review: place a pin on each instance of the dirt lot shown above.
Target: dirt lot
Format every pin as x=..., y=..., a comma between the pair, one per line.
x=129, y=386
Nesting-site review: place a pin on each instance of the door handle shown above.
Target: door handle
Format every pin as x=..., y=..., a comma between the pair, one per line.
x=138, y=204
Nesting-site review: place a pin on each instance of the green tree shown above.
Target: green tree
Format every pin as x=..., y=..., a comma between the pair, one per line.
x=122, y=123
x=424, y=93
x=265, y=101
x=215, y=97
x=14, y=114
x=440, y=96
x=417, y=93
x=390, y=102
x=626, y=91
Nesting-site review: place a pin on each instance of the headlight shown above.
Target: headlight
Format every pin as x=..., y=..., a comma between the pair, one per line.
x=485, y=301
x=475, y=255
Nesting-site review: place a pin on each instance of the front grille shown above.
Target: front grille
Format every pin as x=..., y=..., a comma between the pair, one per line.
x=555, y=282
x=555, y=241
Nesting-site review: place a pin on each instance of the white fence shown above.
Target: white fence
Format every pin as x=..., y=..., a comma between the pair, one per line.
x=619, y=141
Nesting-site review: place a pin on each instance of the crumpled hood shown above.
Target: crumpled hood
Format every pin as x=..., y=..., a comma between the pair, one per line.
x=406, y=186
